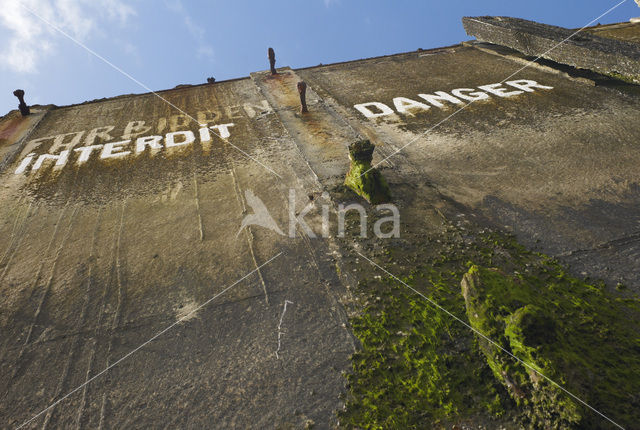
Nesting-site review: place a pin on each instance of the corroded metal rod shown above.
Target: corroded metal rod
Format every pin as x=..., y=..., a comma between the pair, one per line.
x=24, y=109
x=272, y=61
x=302, y=89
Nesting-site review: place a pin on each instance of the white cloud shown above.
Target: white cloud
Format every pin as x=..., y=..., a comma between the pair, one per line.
x=203, y=49
x=30, y=39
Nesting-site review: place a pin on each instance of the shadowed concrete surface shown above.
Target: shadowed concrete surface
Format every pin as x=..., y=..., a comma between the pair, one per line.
x=136, y=220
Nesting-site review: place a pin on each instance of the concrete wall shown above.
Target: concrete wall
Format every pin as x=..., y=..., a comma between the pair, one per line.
x=99, y=255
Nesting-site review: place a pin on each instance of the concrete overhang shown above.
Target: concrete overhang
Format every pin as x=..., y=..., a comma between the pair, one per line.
x=624, y=31
x=583, y=50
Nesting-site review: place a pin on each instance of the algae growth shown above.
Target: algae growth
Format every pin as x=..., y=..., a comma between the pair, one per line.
x=420, y=368
x=564, y=328
x=362, y=178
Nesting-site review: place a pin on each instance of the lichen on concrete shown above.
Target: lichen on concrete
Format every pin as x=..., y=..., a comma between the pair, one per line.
x=364, y=179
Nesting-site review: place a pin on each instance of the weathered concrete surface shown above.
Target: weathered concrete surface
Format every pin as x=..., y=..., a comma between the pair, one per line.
x=321, y=136
x=588, y=51
x=625, y=31
x=555, y=166
x=14, y=130
x=97, y=257
x=100, y=257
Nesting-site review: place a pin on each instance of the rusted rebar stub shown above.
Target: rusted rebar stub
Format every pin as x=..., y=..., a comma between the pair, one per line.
x=364, y=179
x=302, y=89
x=24, y=109
x=362, y=151
x=272, y=61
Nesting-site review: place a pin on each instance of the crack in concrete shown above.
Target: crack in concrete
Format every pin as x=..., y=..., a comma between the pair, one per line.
x=236, y=188
x=197, y=198
x=284, y=310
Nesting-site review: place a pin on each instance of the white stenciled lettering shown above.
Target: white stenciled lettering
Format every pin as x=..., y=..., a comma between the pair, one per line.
x=434, y=99
x=119, y=149
x=34, y=144
x=472, y=96
x=205, y=136
x=152, y=142
x=527, y=85
x=135, y=128
x=233, y=112
x=61, y=142
x=114, y=150
x=223, y=129
x=178, y=121
x=252, y=109
x=458, y=96
x=499, y=90
x=99, y=132
x=25, y=163
x=404, y=104
x=186, y=138
x=85, y=152
x=205, y=117
x=61, y=159
x=365, y=109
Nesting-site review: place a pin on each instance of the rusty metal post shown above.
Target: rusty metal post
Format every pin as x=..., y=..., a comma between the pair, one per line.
x=24, y=109
x=302, y=89
x=272, y=61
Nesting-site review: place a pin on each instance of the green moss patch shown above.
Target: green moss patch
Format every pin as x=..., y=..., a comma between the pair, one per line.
x=364, y=180
x=417, y=367
x=569, y=330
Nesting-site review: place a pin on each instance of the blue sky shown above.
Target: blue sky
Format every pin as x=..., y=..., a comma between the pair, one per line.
x=163, y=43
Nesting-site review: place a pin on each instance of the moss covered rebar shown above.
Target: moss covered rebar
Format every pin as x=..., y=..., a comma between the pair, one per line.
x=364, y=180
